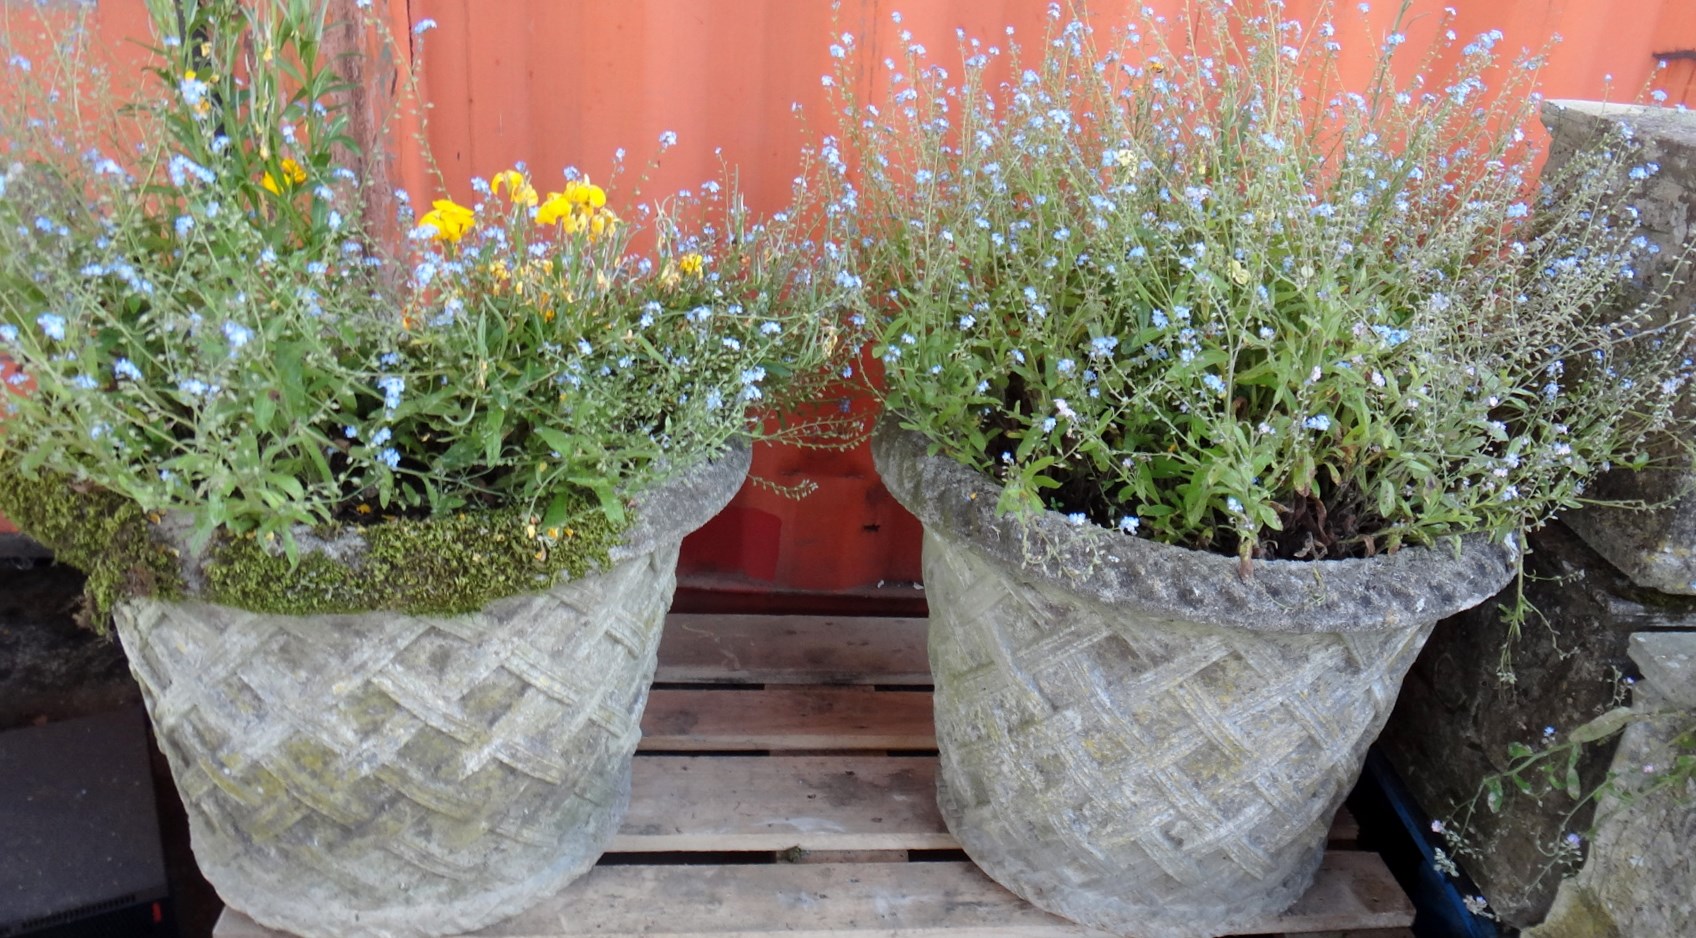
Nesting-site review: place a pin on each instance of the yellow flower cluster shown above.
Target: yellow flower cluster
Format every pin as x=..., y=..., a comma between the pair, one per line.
x=689, y=265
x=536, y=272
x=450, y=219
x=293, y=175
x=517, y=187
x=581, y=207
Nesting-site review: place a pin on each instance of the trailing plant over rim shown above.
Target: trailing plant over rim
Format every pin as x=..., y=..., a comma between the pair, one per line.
x=204, y=321
x=1175, y=277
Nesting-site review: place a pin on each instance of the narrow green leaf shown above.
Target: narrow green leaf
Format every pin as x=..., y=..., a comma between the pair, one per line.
x=557, y=440
x=557, y=509
x=1603, y=726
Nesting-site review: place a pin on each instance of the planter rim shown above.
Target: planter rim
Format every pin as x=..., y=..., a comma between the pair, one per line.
x=666, y=512
x=1412, y=586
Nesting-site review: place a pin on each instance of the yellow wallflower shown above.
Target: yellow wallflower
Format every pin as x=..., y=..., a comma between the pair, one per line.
x=450, y=219
x=578, y=208
x=554, y=208
x=517, y=187
x=690, y=264
x=293, y=175
x=585, y=193
x=602, y=222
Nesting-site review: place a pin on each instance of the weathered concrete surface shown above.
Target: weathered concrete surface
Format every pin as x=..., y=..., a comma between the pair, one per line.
x=1131, y=735
x=1656, y=548
x=379, y=774
x=1639, y=880
x=1455, y=719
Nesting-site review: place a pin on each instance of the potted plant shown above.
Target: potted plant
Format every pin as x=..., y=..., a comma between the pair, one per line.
x=388, y=531
x=1216, y=383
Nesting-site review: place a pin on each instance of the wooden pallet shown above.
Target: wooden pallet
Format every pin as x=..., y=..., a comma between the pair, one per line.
x=785, y=784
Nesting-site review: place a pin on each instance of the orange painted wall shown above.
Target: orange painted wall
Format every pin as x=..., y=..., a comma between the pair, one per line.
x=566, y=82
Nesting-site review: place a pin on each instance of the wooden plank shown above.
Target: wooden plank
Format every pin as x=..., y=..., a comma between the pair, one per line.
x=783, y=719
x=820, y=804
x=1354, y=890
x=837, y=803
x=871, y=900
x=747, y=649
x=909, y=900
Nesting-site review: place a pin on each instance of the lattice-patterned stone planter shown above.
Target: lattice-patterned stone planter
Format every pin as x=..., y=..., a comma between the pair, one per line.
x=387, y=774
x=1132, y=735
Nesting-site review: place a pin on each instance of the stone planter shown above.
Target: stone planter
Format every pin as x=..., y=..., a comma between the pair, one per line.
x=1656, y=548
x=1132, y=736
x=388, y=774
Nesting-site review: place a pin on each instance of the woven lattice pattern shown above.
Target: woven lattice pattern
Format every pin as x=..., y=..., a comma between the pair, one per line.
x=1144, y=775
x=386, y=774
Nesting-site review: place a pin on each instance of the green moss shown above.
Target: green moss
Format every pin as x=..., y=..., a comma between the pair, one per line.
x=434, y=566
x=102, y=534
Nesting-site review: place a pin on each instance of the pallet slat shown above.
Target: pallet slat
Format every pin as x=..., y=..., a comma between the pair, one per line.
x=888, y=900
x=908, y=900
x=862, y=900
x=680, y=720
x=835, y=803
x=743, y=649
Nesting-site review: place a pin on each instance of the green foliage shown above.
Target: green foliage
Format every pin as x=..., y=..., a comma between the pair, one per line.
x=1178, y=278
x=1550, y=770
x=193, y=338
x=204, y=321
x=544, y=355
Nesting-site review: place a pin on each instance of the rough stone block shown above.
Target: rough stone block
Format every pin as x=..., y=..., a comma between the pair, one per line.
x=1455, y=718
x=1639, y=880
x=1656, y=548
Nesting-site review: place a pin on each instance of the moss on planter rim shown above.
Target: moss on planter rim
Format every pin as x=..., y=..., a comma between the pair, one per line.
x=434, y=566
x=102, y=534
